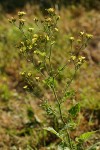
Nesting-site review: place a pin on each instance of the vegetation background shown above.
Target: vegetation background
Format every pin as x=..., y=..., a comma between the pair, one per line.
x=21, y=116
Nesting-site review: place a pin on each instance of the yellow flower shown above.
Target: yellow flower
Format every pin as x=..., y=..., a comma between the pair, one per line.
x=22, y=73
x=35, y=36
x=73, y=57
x=81, y=59
x=89, y=36
x=29, y=74
x=79, y=63
x=25, y=87
x=82, y=33
x=71, y=38
x=22, y=20
x=50, y=10
x=34, y=40
x=12, y=20
x=37, y=78
x=48, y=19
x=21, y=13
x=30, y=29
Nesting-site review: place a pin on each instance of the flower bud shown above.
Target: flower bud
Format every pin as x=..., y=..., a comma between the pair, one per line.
x=71, y=38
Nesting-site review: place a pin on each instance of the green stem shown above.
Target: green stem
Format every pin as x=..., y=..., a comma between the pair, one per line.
x=58, y=102
x=70, y=82
x=61, y=70
x=59, y=106
x=50, y=59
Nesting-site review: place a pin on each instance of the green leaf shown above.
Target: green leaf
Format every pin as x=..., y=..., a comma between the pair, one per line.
x=42, y=54
x=30, y=113
x=69, y=94
x=85, y=136
x=50, y=129
x=50, y=82
x=75, y=110
x=70, y=125
x=48, y=108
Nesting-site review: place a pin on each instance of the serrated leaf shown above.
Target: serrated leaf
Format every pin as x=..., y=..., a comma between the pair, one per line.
x=85, y=136
x=74, y=110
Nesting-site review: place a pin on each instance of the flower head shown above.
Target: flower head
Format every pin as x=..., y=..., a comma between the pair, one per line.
x=12, y=20
x=82, y=33
x=29, y=74
x=73, y=57
x=30, y=29
x=71, y=38
x=22, y=21
x=48, y=19
x=21, y=13
x=89, y=36
x=37, y=78
x=50, y=10
x=25, y=87
x=81, y=59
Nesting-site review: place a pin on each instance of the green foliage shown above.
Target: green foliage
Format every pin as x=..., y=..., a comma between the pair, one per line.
x=37, y=46
x=30, y=113
x=5, y=93
x=85, y=136
x=74, y=110
x=54, y=132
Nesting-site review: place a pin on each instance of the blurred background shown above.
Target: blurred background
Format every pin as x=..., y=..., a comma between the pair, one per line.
x=11, y=5
x=20, y=114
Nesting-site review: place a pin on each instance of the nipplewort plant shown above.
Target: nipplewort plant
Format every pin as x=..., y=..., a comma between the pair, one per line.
x=37, y=45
